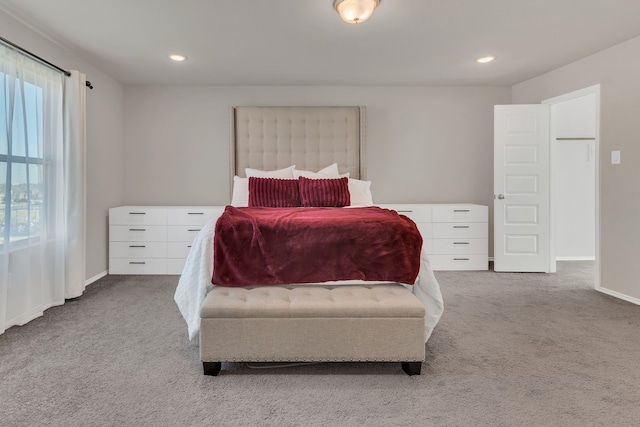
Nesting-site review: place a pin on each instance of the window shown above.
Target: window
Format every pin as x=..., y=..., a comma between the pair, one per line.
x=42, y=186
x=21, y=160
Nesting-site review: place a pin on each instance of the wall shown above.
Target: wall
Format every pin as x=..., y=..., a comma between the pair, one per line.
x=105, y=139
x=425, y=144
x=617, y=70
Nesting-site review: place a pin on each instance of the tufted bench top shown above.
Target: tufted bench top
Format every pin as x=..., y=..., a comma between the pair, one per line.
x=389, y=300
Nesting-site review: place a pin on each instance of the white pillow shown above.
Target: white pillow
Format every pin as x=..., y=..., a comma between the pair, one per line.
x=240, y=196
x=360, y=192
x=285, y=173
x=330, y=171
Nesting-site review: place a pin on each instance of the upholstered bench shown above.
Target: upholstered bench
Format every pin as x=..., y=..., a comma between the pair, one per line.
x=312, y=323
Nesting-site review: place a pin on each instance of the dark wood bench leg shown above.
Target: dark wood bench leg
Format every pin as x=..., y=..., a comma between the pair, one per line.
x=212, y=368
x=412, y=368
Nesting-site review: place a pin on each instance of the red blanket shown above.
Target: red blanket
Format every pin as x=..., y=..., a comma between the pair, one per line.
x=266, y=246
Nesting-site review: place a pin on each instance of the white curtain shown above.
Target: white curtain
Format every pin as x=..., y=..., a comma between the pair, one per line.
x=41, y=189
x=75, y=135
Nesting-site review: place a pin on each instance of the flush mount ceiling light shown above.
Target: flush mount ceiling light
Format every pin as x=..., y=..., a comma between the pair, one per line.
x=177, y=58
x=485, y=59
x=355, y=11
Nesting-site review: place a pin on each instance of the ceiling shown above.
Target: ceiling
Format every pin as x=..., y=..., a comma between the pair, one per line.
x=304, y=42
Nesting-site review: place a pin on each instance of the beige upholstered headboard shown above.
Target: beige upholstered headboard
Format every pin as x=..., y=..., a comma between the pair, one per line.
x=311, y=138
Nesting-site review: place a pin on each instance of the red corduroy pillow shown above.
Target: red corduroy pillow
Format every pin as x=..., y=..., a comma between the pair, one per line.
x=330, y=193
x=273, y=193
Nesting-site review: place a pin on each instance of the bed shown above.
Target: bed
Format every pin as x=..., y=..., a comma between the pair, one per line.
x=321, y=142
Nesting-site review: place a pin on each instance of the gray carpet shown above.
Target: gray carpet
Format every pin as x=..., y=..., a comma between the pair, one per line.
x=510, y=350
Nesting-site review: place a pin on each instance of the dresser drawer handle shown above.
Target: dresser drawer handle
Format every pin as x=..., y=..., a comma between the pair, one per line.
x=461, y=210
x=137, y=229
x=195, y=213
x=194, y=229
x=460, y=226
x=137, y=262
x=137, y=246
x=460, y=243
x=188, y=246
x=461, y=259
x=137, y=213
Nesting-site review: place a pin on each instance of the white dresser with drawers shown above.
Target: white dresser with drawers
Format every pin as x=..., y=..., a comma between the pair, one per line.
x=154, y=239
x=157, y=239
x=455, y=236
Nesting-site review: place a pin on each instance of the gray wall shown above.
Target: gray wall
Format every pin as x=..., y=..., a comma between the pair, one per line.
x=105, y=140
x=425, y=144
x=617, y=69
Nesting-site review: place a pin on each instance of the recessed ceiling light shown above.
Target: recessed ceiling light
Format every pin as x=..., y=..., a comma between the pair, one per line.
x=485, y=59
x=177, y=58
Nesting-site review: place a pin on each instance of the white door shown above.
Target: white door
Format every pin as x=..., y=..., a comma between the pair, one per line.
x=521, y=188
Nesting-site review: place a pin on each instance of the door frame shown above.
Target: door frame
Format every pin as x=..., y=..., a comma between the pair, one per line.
x=591, y=90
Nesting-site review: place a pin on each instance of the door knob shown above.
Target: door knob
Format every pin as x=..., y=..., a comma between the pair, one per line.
x=500, y=196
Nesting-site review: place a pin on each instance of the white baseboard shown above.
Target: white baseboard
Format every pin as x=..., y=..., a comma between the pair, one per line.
x=96, y=277
x=568, y=258
x=627, y=298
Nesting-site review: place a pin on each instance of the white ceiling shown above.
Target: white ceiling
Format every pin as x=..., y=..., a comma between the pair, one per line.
x=304, y=42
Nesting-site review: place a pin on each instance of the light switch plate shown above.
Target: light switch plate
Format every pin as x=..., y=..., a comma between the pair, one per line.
x=615, y=157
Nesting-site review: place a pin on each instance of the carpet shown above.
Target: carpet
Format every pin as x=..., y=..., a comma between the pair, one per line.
x=510, y=350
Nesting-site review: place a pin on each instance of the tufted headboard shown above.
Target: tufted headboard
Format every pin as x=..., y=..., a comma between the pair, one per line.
x=311, y=138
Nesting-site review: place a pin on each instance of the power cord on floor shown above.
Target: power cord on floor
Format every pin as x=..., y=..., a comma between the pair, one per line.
x=272, y=365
